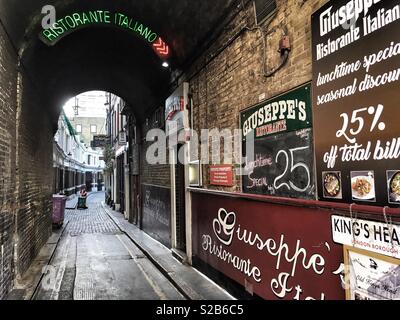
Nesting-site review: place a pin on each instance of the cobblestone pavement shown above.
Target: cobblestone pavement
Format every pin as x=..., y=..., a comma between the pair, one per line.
x=96, y=261
x=91, y=221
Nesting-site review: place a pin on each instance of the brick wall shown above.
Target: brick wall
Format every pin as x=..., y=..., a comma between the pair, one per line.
x=8, y=80
x=35, y=175
x=159, y=174
x=6, y=255
x=224, y=81
x=26, y=174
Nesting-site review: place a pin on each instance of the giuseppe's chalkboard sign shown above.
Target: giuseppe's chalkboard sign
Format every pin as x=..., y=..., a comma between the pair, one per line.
x=356, y=73
x=282, y=164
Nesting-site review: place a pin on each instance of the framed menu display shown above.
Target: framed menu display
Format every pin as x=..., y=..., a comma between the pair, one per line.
x=370, y=276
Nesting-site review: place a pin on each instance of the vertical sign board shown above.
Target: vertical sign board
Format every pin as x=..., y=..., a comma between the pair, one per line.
x=176, y=114
x=283, y=162
x=356, y=101
x=157, y=213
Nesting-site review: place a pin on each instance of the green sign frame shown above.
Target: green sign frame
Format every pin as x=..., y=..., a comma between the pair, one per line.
x=290, y=111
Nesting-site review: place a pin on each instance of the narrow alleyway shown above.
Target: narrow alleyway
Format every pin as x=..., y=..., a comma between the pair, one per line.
x=231, y=150
x=96, y=261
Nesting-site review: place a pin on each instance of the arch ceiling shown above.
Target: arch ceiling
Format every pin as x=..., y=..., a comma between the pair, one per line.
x=110, y=59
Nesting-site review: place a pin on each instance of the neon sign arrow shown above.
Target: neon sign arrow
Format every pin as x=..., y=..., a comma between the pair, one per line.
x=161, y=48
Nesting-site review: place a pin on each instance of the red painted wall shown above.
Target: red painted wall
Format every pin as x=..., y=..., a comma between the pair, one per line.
x=289, y=254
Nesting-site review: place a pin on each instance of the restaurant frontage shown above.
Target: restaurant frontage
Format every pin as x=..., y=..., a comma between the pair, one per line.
x=312, y=211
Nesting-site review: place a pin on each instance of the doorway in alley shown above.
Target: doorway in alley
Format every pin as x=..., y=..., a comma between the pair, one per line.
x=121, y=182
x=89, y=181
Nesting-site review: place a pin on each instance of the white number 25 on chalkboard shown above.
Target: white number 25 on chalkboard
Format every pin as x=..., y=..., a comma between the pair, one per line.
x=290, y=159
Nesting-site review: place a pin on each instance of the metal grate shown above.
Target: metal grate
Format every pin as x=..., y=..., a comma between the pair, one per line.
x=264, y=9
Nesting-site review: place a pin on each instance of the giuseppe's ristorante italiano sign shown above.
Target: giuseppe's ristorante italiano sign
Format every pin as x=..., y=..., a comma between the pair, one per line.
x=288, y=112
x=356, y=101
x=268, y=251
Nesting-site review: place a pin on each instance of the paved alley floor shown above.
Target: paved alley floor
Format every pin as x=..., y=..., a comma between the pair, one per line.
x=95, y=261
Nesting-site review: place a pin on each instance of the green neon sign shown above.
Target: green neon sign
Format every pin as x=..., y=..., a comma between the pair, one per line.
x=80, y=20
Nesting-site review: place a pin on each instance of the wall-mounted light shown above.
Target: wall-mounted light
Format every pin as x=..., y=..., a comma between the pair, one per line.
x=195, y=174
x=165, y=64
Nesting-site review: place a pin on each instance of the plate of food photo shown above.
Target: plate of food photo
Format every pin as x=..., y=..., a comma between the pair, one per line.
x=394, y=187
x=363, y=187
x=332, y=184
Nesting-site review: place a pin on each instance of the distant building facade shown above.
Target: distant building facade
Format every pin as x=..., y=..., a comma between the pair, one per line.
x=76, y=166
x=88, y=127
x=117, y=182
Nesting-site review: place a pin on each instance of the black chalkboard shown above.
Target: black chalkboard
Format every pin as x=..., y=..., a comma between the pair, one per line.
x=357, y=134
x=283, y=166
x=156, y=220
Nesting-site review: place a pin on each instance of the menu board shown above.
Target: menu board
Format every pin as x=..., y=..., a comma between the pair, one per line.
x=156, y=220
x=356, y=101
x=283, y=161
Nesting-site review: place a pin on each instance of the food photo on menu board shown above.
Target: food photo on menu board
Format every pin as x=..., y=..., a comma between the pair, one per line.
x=332, y=182
x=363, y=185
x=394, y=186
